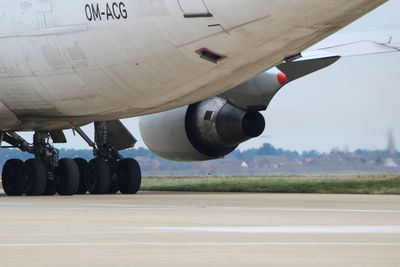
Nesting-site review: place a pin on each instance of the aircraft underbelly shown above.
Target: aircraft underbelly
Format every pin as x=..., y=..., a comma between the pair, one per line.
x=84, y=71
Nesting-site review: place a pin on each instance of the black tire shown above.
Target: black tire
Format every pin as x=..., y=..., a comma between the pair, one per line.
x=33, y=177
x=98, y=176
x=67, y=173
x=50, y=188
x=113, y=189
x=130, y=176
x=82, y=165
x=10, y=177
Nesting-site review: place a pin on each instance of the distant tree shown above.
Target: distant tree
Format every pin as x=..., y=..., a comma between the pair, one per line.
x=171, y=167
x=378, y=160
x=311, y=154
x=268, y=149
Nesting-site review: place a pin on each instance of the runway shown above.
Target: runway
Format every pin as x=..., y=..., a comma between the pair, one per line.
x=182, y=229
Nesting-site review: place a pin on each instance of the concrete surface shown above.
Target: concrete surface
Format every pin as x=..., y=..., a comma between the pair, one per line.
x=179, y=229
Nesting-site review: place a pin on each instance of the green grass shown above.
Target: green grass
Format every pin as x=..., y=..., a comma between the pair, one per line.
x=328, y=185
x=372, y=184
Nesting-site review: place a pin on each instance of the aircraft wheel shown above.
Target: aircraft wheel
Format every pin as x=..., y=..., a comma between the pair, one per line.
x=129, y=175
x=50, y=188
x=82, y=165
x=68, y=175
x=33, y=177
x=98, y=176
x=10, y=177
x=113, y=188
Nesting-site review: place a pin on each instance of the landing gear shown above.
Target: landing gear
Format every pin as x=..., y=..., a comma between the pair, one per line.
x=46, y=174
x=50, y=188
x=10, y=177
x=33, y=177
x=129, y=175
x=67, y=172
x=82, y=165
x=98, y=176
x=43, y=175
x=108, y=172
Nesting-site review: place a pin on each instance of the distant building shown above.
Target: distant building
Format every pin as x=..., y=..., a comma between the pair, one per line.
x=244, y=165
x=389, y=162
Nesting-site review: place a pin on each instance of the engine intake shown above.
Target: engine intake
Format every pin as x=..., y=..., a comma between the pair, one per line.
x=215, y=127
x=206, y=130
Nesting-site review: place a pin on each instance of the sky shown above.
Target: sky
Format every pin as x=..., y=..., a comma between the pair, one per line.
x=350, y=105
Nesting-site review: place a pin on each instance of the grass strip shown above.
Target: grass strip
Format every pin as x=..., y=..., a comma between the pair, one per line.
x=283, y=185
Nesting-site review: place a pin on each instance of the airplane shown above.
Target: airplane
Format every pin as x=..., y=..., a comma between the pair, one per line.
x=200, y=70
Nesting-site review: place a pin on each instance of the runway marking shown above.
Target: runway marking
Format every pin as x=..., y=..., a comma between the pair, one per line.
x=16, y=204
x=310, y=209
x=175, y=207
x=349, y=229
x=89, y=244
x=143, y=206
x=344, y=229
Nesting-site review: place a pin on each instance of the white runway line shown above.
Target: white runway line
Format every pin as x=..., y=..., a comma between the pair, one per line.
x=175, y=207
x=309, y=210
x=349, y=229
x=143, y=206
x=22, y=204
x=207, y=244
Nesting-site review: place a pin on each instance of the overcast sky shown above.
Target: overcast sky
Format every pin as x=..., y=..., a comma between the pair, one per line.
x=350, y=105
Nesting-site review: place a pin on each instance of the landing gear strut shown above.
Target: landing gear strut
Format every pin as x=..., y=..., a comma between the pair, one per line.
x=46, y=174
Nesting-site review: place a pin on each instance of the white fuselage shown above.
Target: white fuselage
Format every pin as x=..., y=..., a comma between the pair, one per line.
x=78, y=61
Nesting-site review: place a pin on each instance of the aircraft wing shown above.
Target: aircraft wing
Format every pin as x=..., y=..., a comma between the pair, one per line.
x=340, y=45
x=356, y=44
x=257, y=93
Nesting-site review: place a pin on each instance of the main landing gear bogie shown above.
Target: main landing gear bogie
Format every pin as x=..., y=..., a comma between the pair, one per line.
x=46, y=174
x=72, y=176
x=127, y=177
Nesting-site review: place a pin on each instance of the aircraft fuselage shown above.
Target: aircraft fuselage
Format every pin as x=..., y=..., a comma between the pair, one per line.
x=78, y=61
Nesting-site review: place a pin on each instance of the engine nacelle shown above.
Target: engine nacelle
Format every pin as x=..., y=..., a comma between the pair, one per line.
x=206, y=130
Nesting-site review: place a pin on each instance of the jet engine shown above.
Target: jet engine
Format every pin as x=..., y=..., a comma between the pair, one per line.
x=205, y=130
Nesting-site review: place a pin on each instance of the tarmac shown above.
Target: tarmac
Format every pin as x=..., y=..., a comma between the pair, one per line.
x=200, y=229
